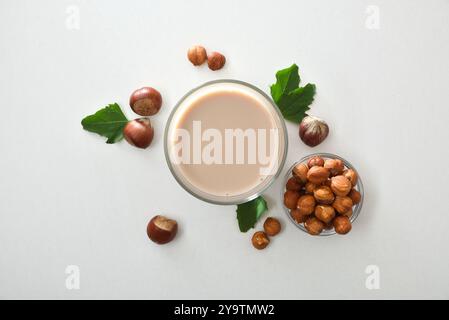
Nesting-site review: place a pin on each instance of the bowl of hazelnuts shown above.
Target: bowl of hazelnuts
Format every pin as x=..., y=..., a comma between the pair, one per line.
x=323, y=194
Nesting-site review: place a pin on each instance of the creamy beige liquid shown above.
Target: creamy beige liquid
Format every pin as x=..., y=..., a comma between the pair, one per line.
x=225, y=108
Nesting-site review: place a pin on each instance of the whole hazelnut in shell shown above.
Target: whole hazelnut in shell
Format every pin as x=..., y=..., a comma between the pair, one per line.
x=317, y=175
x=315, y=161
x=313, y=130
x=197, y=55
x=161, y=229
x=145, y=101
x=291, y=199
x=300, y=172
x=340, y=185
x=325, y=213
x=342, y=225
x=309, y=187
x=355, y=196
x=342, y=204
x=348, y=213
x=306, y=204
x=351, y=175
x=293, y=184
x=260, y=240
x=298, y=216
x=335, y=166
x=324, y=195
x=139, y=132
x=216, y=61
x=272, y=226
x=314, y=226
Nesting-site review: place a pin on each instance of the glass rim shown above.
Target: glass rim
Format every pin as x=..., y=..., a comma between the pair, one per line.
x=272, y=178
x=359, y=188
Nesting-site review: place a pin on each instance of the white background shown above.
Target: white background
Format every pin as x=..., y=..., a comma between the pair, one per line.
x=67, y=198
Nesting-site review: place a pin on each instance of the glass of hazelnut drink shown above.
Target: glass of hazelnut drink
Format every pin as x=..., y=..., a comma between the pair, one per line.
x=225, y=142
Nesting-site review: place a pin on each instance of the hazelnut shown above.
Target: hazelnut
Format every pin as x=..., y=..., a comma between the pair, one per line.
x=348, y=213
x=335, y=166
x=351, y=175
x=272, y=226
x=324, y=194
x=313, y=130
x=317, y=174
x=139, y=132
x=300, y=172
x=306, y=204
x=309, y=187
x=197, y=55
x=298, y=216
x=161, y=229
x=260, y=240
x=145, y=101
x=325, y=213
x=293, y=184
x=340, y=185
x=355, y=196
x=315, y=161
x=342, y=204
x=216, y=61
x=291, y=199
x=342, y=225
x=314, y=226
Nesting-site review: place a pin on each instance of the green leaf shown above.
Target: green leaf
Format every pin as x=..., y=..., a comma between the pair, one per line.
x=108, y=122
x=286, y=80
x=292, y=100
x=249, y=213
x=295, y=105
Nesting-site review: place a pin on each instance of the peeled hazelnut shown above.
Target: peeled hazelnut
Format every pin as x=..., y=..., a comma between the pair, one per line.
x=260, y=240
x=309, y=187
x=335, y=166
x=313, y=130
x=216, y=61
x=298, y=216
x=317, y=175
x=145, y=101
x=340, y=185
x=139, y=132
x=351, y=175
x=300, y=172
x=314, y=226
x=315, y=161
x=293, y=184
x=272, y=226
x=355, y=196
x=342, y=204
x=324, y=194
x=306, y=204
x=291, y=199
x=342, y=225
x=162, y=230
x=325, y=213
x=197, y=55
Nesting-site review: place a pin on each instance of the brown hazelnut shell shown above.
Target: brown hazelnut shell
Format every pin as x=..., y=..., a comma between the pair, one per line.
x=145, y=101
x=162, y=230
x=272, y=226
x=260, y=240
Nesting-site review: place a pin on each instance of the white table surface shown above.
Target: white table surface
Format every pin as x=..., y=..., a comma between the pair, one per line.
x=67, y=198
